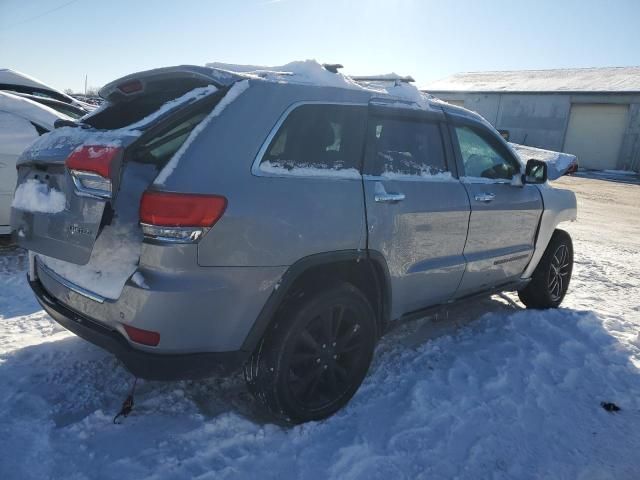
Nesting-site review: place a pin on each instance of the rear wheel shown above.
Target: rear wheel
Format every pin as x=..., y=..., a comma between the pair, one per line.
x=315, y=355
x=550, y=280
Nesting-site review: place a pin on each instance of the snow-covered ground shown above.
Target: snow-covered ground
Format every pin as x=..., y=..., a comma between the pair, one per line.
x=489, y=391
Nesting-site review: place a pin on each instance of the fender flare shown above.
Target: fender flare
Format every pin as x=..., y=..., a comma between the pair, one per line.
x=295, y=271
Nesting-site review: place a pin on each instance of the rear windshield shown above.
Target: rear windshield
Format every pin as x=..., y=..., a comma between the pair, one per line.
x=161, y=147
x=163, y=140
x=126, y=112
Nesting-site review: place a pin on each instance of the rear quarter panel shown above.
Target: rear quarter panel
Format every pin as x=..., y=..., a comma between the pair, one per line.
x=270, y=220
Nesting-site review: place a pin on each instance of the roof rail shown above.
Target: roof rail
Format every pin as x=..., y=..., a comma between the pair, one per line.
x=397, y=79
x=332, y=67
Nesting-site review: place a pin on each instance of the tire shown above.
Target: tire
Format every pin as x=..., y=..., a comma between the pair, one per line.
x=550, y=279
x=314, y=356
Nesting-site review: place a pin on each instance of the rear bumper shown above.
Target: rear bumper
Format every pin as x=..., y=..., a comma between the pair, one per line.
x=151, y=366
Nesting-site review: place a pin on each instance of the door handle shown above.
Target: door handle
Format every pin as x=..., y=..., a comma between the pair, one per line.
x=485, y=197
x=389, y=197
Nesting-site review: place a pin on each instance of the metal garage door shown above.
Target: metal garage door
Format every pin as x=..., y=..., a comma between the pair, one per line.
x=595, y=134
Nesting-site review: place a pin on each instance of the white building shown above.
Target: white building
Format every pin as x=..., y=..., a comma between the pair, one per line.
x=593, y=113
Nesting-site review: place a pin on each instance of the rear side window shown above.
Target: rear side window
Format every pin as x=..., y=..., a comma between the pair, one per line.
x=405, y=147
x=327, y=137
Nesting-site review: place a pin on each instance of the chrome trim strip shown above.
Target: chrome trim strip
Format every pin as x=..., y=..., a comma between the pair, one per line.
x=255, y=166
x=196, y=233
x=83, y=191
x=71, y=286
x=410, y=178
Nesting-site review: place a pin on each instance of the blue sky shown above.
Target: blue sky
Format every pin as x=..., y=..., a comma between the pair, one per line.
x=428, y=39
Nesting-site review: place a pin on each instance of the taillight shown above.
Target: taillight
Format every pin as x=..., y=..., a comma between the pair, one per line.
x=91, y=167
x=179, y=217
x=145, y=337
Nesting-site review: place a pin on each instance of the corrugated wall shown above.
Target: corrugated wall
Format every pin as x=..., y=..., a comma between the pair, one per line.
x=540, y=120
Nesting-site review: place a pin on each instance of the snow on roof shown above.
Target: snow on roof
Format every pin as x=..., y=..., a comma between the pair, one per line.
x=32, y=111
x=306, y=72
x=611, y=79
x=310, y=72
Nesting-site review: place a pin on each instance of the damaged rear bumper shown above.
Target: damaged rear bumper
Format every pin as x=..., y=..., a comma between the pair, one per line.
x=143, y=364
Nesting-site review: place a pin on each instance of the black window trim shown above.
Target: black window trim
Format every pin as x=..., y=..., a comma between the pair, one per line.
x=255, y=166
x=415, y=116
x=483, y=131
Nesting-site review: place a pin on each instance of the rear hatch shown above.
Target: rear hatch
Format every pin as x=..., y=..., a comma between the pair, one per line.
x=85, y=178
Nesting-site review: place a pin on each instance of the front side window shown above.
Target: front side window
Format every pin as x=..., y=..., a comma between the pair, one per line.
x=484, y=158
x=401, y=147
x=324, y=137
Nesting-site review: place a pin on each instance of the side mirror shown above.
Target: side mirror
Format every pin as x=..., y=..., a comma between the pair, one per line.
x=535, y=172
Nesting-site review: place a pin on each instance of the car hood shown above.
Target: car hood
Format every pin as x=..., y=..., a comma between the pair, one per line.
x=558, y=163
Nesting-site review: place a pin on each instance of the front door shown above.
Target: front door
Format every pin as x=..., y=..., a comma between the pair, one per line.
x=504, y=214
x=417, y=210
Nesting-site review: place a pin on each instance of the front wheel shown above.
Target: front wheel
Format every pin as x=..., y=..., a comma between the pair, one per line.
x=315, y=355
x=550, y=280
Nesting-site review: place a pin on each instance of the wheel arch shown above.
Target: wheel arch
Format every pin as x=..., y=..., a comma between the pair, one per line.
x=559, y=205
x=367, y=270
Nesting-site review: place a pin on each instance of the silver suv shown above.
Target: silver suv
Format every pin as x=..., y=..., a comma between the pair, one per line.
x=206, y=220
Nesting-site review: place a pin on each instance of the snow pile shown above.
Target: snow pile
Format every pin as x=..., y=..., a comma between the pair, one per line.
x=307, y=72
x=558, y=162
x=276, y=168
x=310, y=72
x=35, y=196
x=234, y=92
x=492, y=391
x=113, y=260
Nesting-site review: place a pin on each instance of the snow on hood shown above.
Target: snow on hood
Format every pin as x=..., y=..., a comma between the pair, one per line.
x=311, y=72
x=558, y=163
x=33, y=111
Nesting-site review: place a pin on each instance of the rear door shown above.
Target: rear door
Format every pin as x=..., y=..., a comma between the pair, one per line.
x=417, y=210
x=504, y=214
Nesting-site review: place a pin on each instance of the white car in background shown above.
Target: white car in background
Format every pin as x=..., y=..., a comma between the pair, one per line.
x=13, y=81
x=22, y=121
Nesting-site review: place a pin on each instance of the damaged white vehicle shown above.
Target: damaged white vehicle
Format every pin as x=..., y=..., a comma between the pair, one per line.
x=22, y=121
